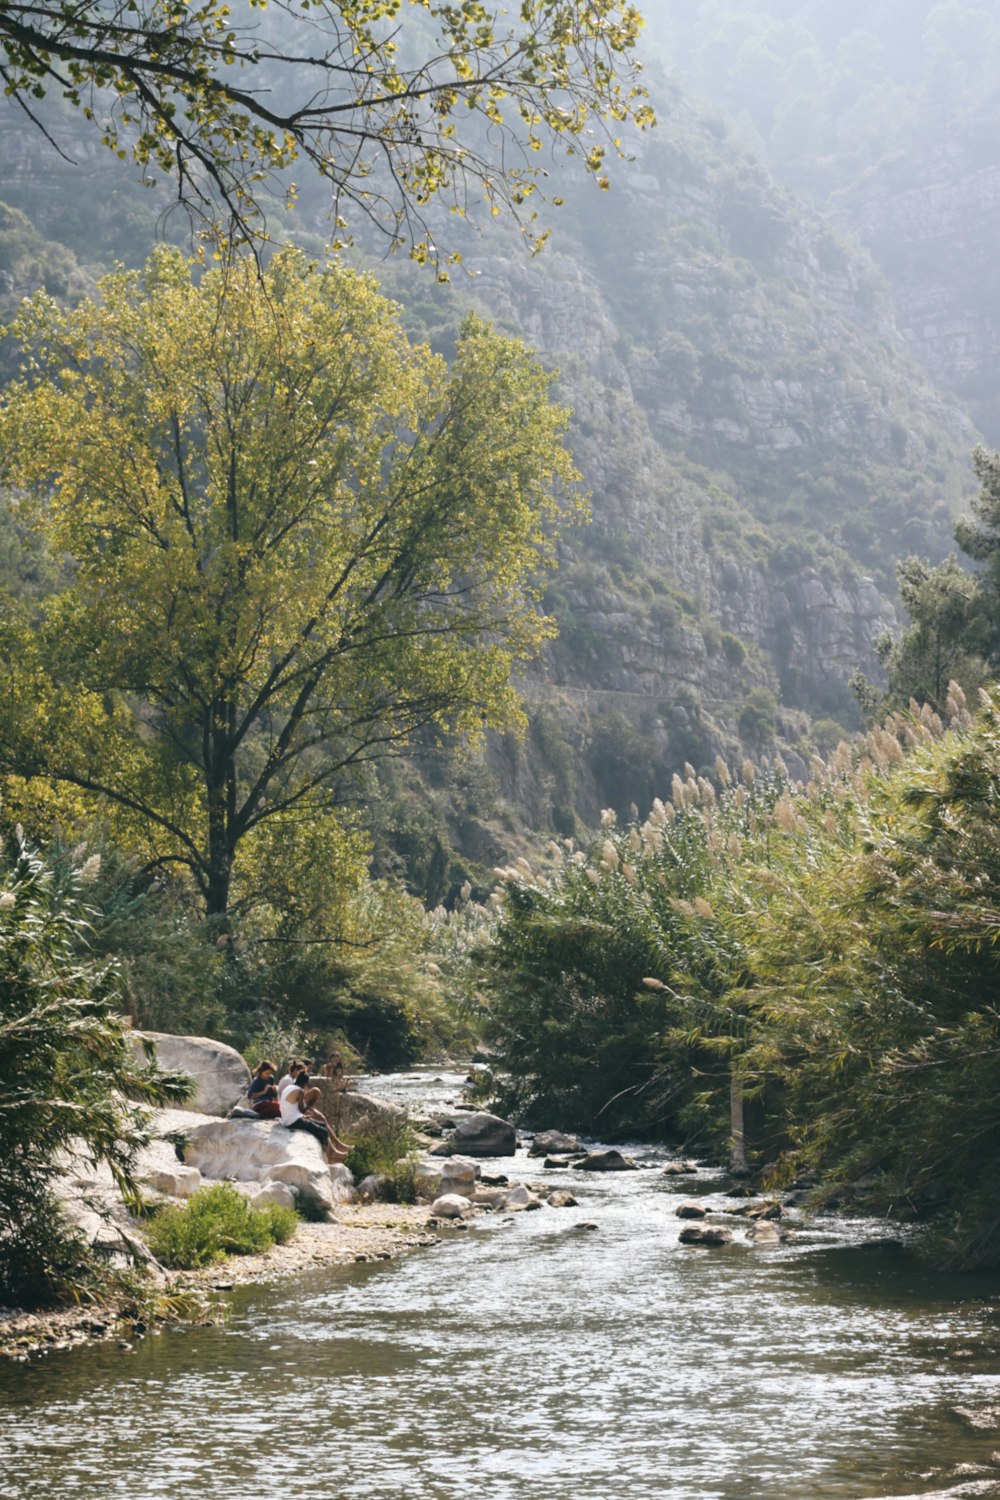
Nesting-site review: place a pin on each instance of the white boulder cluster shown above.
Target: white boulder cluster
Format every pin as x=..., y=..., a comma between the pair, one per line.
x=266, y=1162
x=271, y=1164
x=455, y=1189
x=260, y=1157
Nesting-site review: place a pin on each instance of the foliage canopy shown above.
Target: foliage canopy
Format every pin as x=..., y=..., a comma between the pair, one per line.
x=295, y=539
x=390, y=101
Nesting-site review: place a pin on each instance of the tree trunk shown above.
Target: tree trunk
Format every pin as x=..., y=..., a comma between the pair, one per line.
x=737, y=1139
x=220, y=858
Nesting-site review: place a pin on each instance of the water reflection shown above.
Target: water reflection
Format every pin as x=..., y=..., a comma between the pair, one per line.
x=525, y=1359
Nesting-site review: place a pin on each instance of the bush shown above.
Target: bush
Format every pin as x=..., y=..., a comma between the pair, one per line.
x=386, y=1150
x=216, y=1222
x=758, y=718
x=68, y=1067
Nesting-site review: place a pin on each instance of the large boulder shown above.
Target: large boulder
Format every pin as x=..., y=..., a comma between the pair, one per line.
x=352, y=1114
x=273, y=1192
x=175, y=1181
x=458, y=1175
x=220, y=1073
x=428, y=1180
x=691, y=1210
x=260, y=1151
x=342, y=1184
x=451, y=1206
x=554, y=1143
x=480, y=1134
x=607, y=1161
x=520, y=1198
x=709, y=1235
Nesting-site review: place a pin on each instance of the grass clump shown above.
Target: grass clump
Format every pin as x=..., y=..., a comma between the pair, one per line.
x=217, y=1221
x=387, y=1149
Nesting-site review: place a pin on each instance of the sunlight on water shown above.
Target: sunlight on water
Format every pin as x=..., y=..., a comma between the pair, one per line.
x=527, y=1358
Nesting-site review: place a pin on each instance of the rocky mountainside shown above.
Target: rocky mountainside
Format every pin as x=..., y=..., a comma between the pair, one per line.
x=884, y=117
x=760, y=446
x=931, y=220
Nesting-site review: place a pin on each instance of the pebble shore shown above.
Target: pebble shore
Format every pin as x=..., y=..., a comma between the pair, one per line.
x=361, y=1232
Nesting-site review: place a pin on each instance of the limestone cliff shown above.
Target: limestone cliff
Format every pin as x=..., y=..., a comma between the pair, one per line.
x=760, y=446
x=931, y=218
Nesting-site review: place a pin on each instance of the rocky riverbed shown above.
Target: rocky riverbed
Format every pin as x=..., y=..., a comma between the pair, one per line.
x=346, y=1221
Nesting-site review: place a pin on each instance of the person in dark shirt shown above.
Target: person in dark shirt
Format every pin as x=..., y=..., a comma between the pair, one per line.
x=263, y=1093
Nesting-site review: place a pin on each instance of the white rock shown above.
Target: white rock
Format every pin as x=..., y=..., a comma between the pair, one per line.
x=274, y=1192
x=428, y=1180
x=176, y=1181
x=221, y=1075
x=490, y=1197
x=260, y=1151
x=519, y=1198
x=451, y=1206
x=458, y=1175
x=342, y=1184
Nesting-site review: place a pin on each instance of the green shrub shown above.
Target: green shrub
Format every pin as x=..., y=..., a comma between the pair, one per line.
x=380, y=1148
x=404, y=1179
x=733, y=649
x=68, y=1068
x=217, y=1221
x=758, y=718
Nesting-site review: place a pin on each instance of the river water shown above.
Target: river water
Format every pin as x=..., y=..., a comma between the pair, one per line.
x=528, y=1358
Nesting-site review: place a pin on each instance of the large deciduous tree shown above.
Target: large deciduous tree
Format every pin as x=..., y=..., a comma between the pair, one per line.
x=391, y=101
x=292, y=540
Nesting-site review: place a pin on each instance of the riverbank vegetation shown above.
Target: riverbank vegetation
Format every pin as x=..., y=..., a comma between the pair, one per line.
x=823, y=951
x=216, y=1221
x=67, y=1064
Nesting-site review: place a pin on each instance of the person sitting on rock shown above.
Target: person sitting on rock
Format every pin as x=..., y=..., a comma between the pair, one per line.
x=263, y=1092
x=298, y=1112
x=287, y=1079
x=312, y=1111
x=333, y=1069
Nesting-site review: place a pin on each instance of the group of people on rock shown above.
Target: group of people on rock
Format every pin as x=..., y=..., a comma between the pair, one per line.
x=294, y=1101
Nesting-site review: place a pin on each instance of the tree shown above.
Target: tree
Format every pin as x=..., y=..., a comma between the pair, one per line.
x=66, y=1064
x=293, y=541
x=954, y=614
x=368, y=92
x=943, y=642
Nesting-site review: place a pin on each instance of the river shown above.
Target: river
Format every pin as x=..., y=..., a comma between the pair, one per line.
x=527, y=1358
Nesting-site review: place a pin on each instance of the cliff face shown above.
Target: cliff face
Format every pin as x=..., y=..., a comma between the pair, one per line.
x=760, y=446
x=932, y=220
